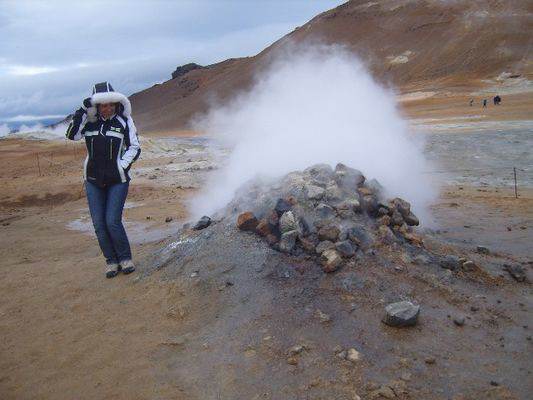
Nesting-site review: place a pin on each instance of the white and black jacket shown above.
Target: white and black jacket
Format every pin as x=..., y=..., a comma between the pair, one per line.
x=112, y=144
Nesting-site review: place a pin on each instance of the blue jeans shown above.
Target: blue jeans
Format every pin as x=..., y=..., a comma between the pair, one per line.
x=106, y=205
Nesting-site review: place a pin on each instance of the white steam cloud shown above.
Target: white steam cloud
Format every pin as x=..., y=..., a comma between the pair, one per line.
x=37, y=131
x=315, y=105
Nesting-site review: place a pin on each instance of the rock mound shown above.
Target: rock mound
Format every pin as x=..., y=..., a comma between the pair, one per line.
x=325, y=294
x=330, y=214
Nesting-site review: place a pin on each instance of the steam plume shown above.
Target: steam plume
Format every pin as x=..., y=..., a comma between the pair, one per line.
x=315, y=104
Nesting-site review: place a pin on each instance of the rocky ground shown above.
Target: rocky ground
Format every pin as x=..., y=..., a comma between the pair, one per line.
x=218, y=313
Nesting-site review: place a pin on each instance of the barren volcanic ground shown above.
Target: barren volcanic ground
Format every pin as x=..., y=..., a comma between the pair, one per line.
x=212, y=314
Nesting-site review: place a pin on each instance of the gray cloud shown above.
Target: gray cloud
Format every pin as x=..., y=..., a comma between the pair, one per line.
x=53, y=52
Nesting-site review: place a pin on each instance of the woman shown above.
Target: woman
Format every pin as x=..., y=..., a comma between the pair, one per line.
x=112, y=146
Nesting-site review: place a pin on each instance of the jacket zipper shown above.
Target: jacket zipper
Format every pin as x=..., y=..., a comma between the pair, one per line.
x=92, y=153
x=110, y=149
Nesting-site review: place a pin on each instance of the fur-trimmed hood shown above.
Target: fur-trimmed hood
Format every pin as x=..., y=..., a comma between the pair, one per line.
x=103, y=93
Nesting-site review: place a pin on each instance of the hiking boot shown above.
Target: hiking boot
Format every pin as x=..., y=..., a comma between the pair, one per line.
x=111, y=270
x=127, y=266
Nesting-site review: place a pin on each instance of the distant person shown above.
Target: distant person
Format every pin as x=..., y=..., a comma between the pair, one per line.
x=471, y=102
x=104, y=120
x=484, y=103
x=497, y=100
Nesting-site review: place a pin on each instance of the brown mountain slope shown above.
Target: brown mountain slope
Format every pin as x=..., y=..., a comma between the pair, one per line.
x=423, y=45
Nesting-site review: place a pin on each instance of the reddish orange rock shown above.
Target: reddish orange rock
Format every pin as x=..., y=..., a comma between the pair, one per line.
x=263, y=228
x=247, y=221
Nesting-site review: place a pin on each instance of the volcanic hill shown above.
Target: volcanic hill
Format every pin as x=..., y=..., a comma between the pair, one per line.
x=425, y=48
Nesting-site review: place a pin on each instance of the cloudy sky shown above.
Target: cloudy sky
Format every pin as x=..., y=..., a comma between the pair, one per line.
x=52, y=52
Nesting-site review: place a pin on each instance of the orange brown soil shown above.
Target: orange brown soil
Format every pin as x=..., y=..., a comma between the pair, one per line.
x=67, y=332
x=445, y=107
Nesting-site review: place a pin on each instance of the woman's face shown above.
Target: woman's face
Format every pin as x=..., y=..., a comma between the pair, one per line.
x=106, y=110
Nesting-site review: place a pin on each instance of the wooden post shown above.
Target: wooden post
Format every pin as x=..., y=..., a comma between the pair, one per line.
x=515, y=187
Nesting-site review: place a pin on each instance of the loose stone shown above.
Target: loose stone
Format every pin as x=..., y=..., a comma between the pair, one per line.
x=247, y=221
x=324, y=245
x=202, y=223
x=282, y=206
x=516, y=271
x=287, y=222
x=403, y=313
x=482, y=250
x=328, y=232
x=353, y=355
x=345, y=248
x=315, y=192
x=263, y=228
x=331, y=260
x=450, y=262
x=288, y=241
x=411, y=220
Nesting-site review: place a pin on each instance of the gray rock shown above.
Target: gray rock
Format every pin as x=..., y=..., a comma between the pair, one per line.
x=482, y=250
x=450, y=262
x=322, y=173
x=353, y=355
x=287, y=222
x=516, y=271
x=349, y=205
x=323, y=246
x=403, y=313
x=302, y=226
x=375, y=186
x=331, y=260
x=348, y=178
x=402, y=206
x=386, y=234
x=334, y=194
x=345, y=248
x=202, y=223
x=459, y=320
x=315, y=192
x=421, y=259
x=389, y=206
x=288, y=241
x=396, y=218
x=282, y=206
x=382, y=211
x=329, y=232
x=324, y=211
x=369, y=203
x=357, y=234
x=469, y=266
x=411, y=219
x=294, y=350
